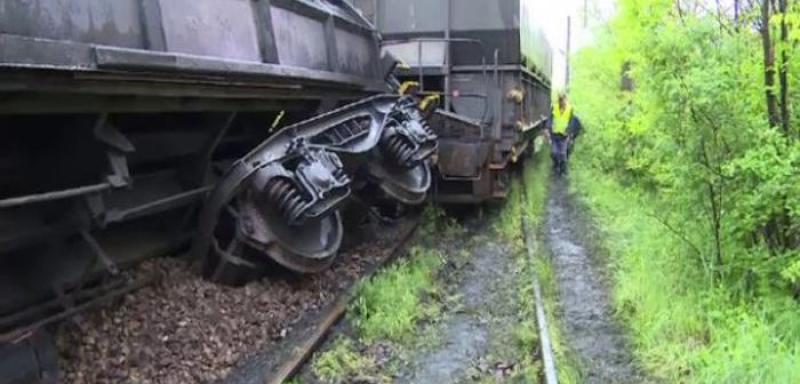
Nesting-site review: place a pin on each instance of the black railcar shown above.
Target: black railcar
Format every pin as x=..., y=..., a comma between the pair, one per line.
x=491, y=65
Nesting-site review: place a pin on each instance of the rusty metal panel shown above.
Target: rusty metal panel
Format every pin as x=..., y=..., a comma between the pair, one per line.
x=117, y=23
x=452, y=125
x=300, y=40
x=472, y=107
x=224, y=29
x=462, y=160
x=503, y=26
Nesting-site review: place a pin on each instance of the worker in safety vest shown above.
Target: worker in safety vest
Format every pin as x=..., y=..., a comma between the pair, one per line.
x=562, y=128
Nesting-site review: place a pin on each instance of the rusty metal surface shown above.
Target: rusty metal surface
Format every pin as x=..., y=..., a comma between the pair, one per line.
x=461, y=160
x=491, y=96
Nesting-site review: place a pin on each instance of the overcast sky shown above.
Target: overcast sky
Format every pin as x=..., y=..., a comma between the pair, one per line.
x=552, y=16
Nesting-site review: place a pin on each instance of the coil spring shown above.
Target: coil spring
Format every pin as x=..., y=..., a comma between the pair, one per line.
x=427, y=128
x=287, y=198
x=399, y=150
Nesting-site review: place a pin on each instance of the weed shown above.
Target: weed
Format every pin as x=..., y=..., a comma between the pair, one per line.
x=684, y=330
x=436, y=224
x=526, y=336
x=341, y=362
x=389, y=305
x=537, y=180
x=509, y=222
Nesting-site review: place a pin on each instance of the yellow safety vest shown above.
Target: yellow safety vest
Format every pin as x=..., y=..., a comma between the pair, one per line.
x=561, y=119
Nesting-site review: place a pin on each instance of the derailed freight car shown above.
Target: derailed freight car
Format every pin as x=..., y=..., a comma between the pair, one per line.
x=490, y=64
x=125, y=122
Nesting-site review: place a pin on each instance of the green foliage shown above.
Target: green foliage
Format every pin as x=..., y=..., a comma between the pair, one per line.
x=695, y=128
x=526, y=336
x=341, y=362
x=436, y=222
x=707, y=260
x=683, y=329
x=509, y=222
x=389, y=305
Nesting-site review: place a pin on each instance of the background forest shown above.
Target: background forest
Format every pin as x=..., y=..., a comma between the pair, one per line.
x=691, y=163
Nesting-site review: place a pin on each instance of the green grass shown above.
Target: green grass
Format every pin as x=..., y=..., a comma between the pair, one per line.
x=341, y=362
x=537, y=181
x=532, y=205
x=685, y=328
x=389, y=305
x=509, y=222
x=435, y=224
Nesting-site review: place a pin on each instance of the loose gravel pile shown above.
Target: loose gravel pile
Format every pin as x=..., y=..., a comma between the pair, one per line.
x=186, y=330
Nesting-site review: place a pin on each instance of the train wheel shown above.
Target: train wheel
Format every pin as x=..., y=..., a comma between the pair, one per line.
x=407, y=186
x=242, y=229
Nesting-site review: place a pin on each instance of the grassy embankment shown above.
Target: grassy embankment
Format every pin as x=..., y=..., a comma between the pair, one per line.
x=683, y=329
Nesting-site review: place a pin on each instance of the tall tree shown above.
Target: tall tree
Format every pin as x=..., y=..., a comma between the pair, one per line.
x=769, y=65
x=783, y=76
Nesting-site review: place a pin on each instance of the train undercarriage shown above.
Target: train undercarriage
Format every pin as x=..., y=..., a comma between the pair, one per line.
x=128, y=132
x=234, y=132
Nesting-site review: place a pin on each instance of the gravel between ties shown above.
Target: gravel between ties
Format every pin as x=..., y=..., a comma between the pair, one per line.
x=186, y=330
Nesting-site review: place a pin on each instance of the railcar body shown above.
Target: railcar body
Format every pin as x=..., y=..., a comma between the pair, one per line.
x=124, y=123
x=490, y=64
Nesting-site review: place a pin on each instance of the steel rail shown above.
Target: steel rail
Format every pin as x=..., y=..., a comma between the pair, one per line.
x=288, y=368
x=546, y=345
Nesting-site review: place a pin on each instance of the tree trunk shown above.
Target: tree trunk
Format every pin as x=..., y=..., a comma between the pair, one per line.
x=783, y=71
x=769, y=66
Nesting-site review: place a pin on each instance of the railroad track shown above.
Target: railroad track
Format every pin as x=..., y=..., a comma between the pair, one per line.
x=303, y=348
x=154, y=333
x=298, y=349
x=548, y=358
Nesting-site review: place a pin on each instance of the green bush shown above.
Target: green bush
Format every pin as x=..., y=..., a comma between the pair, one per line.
x=683, y=329
x=695, y=183
x=389, y=305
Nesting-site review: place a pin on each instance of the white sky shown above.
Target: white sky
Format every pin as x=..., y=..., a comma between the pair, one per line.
x=553, y=19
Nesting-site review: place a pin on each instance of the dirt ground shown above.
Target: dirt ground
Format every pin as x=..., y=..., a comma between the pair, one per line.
x=473, y=338
x=587, y=317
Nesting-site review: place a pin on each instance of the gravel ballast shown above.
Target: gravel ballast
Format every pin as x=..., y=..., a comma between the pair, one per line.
x=184, y=329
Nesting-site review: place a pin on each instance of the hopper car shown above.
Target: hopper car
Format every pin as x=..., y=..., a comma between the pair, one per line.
x=238, y=132
x=489, y=65
x=236, y=129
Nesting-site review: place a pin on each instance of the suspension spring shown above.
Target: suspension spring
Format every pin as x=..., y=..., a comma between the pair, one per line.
x=399, y=150
x=287, y=198
x=427, y=128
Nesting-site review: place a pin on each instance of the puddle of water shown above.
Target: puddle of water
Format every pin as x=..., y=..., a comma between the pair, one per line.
x=587, y=315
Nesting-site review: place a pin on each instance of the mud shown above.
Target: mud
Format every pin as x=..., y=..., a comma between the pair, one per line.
x=461, y=352
x=472, y=339
x=593, y=335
